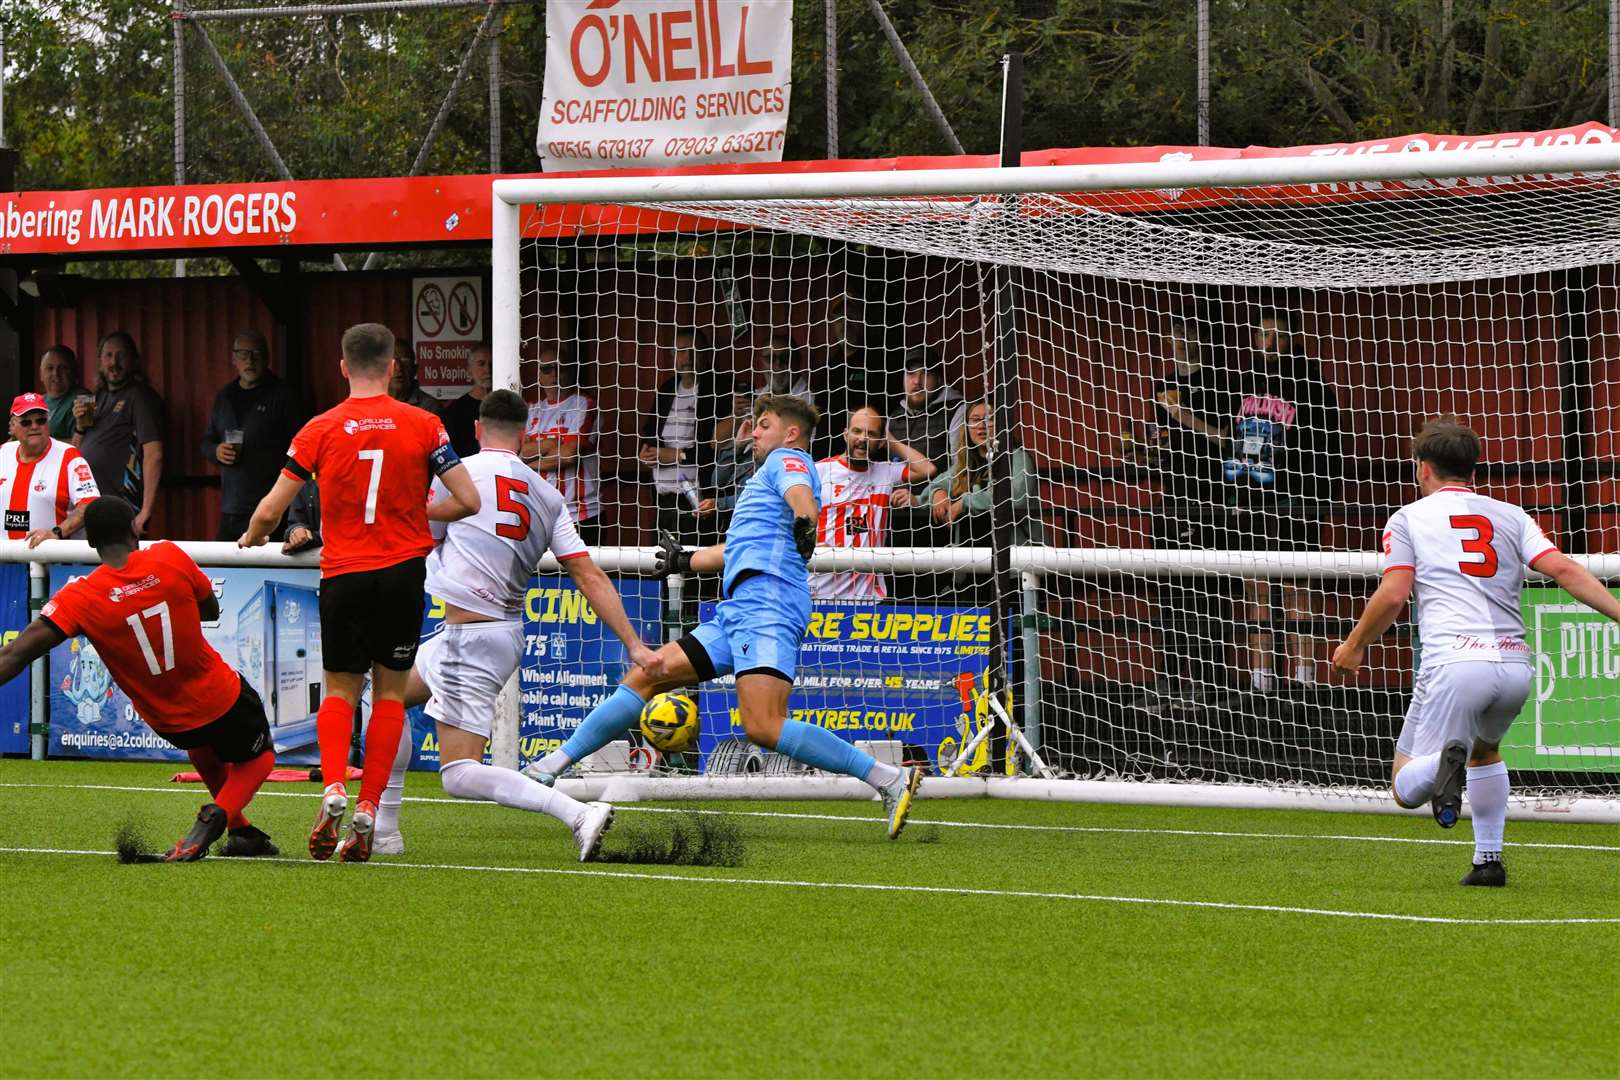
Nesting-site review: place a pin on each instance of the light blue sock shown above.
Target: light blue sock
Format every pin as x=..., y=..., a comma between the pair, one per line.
x=818, y=747
x=609, y=720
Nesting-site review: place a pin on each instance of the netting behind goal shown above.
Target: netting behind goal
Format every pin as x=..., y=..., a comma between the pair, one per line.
x=1188, y=371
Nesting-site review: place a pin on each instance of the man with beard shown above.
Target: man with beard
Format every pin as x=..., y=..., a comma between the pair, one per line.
x=857, y=492
x=120, y=433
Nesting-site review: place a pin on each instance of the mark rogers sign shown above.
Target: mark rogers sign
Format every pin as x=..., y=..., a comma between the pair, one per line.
x=657, y=83
x=153, y=217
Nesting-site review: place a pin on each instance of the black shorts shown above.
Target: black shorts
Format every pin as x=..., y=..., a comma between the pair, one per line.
x=372, y=617
x=242, y=734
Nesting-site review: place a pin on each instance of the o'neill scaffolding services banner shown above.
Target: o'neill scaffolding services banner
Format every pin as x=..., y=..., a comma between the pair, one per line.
x=659, y=83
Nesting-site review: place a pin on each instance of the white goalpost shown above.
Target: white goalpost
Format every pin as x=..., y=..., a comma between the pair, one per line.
x=1195, y=383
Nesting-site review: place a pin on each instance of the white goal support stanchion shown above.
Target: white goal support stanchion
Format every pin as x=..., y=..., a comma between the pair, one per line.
x=1176, y=600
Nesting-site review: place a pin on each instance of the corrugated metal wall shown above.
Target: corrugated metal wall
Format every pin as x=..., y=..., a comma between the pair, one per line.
x=184, y=330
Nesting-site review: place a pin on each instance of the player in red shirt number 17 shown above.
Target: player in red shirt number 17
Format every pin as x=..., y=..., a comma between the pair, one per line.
x=143, y=611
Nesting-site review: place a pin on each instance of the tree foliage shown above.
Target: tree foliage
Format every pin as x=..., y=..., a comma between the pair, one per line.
x=89, y=90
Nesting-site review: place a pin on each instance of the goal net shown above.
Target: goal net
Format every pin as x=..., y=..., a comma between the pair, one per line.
x=1171, y=404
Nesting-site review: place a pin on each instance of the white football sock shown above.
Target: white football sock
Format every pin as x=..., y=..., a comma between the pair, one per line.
x=555, y=762
x=468, y=779
x=1415, y=782
x=1488, y=799
x=882, y=775
x=394, y=793
x=1262, y=679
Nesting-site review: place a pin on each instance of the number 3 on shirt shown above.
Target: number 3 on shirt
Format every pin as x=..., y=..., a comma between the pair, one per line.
x=504, y=486
x=1479, y=544
x=376, y=458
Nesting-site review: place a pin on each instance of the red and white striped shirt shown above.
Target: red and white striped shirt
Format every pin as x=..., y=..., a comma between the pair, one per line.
x=854, y=514
x=38, y=494
x=571, y=420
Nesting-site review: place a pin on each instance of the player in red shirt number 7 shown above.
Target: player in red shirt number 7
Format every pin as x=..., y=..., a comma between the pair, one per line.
x=372, y=458
x=143, y=611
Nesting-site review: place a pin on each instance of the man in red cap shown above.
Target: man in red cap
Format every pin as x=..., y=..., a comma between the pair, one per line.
x=45, y=483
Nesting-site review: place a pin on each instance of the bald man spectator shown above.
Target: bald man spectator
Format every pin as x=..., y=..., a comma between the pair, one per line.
x=254, y=419
x=61, y=381
x=120, y=432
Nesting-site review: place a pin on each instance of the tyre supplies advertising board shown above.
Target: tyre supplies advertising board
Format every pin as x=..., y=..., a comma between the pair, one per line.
x=870, y=673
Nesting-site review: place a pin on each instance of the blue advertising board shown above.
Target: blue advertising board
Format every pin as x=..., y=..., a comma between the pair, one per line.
x=571, y=661
x=268, y=629
x=13, y=695
x=874, y=672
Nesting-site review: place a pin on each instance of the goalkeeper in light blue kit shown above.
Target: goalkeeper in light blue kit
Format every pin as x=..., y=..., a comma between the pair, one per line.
x=758, y=628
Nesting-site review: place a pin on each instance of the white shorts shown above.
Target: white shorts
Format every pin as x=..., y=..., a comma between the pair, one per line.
x=1470, y=700
x=465, y=665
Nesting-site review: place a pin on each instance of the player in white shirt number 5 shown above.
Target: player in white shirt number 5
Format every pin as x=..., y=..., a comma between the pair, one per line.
x=481, y=569
x=1466, y=553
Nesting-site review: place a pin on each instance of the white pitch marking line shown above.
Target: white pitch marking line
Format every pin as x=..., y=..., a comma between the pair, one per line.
x=1010, y=826
x=935, y=890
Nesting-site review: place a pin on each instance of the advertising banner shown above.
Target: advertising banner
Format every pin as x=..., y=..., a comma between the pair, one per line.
x=664, y=82
x=447, y=321
x=13, y=695
x=269, y=630
x=874, y=672
x=571, y=660
x=1571, y=723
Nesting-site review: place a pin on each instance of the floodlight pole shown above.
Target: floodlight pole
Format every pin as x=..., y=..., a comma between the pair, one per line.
x=832, y=79
x=1004, y=396
x=178, y=20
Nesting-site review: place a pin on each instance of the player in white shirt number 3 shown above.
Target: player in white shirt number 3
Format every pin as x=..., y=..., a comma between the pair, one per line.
x=1466, y=553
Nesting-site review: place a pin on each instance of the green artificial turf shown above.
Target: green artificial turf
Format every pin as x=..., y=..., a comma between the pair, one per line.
x=447, y=961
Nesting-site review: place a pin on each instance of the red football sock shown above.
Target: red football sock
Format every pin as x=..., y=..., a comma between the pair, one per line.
x=334, y=727
x=214, y=772
x=242, y=782
x=382, y=743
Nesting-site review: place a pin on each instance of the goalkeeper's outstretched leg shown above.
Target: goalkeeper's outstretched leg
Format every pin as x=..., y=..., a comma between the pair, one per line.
x=712, y=650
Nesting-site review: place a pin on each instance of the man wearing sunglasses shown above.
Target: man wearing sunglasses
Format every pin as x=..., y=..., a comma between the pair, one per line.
x=45, y=483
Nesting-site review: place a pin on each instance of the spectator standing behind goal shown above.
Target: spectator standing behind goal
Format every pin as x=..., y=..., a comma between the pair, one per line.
x=373, y=458
x=253, y=419
x=734, y=461
x=1284, y=466
x=961, y=497
x=461, y=415
x=560, y=444
x=120, y=432
x=61, y=380
x=858, y=487
x=678, y=434
x=45, y=484
x=1466, y=554
x=1193, y=406
x=921, y=418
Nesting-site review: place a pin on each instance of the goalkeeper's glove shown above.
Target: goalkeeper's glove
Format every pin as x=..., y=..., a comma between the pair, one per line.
x=671, y=557
x=804, y=537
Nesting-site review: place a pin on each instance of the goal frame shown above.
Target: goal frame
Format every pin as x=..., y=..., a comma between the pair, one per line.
x=510, y=196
